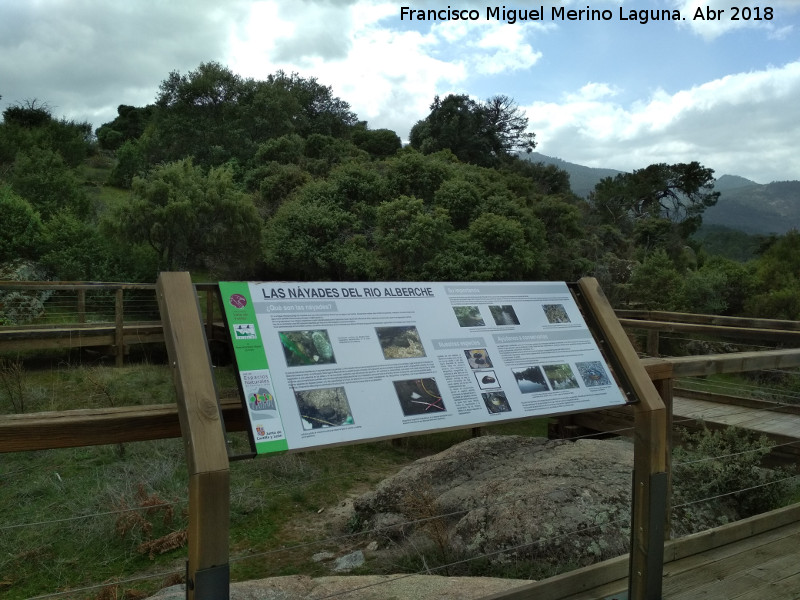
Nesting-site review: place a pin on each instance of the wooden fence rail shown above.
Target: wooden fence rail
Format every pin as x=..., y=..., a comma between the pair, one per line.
x=120, y=333
x=698, y=319
x=90, y=427
x=116, y=334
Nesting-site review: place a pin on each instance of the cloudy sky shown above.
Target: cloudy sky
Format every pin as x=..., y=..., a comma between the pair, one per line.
x=610, y=92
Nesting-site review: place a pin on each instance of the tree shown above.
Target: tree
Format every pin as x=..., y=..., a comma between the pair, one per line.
x=128, y=125
x=410, y=173
x=656, y=284
x=719, y=287
x=30, y=126
x=410, y=216
x=476, y=132
x=539, y=178
x=508, y=125
x=198, y=115
x=72, y=140
x=192, y=218
x=73, y=249
x=379, y=143
x=29, y=114
x=43, y=179
x=409, y=235
x=506, y=248
x=215, y=115
x=565, y=252
x=21, y=226
x=320, y=111
x=679, y=192
x=658, y=207
x=277, y=182
x=130, y=162
x=308, y=235
x=778, y=279
x=460, y=198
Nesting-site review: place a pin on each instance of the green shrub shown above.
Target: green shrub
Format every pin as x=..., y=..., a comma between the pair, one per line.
x=722, y=470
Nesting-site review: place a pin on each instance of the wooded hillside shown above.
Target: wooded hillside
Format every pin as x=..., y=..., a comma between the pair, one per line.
x=232, y=177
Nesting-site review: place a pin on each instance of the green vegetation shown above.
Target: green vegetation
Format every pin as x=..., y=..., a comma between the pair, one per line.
x=277, y=178
x=721, y=241
x=719, y=475
x=86, y=516
x=480, y=133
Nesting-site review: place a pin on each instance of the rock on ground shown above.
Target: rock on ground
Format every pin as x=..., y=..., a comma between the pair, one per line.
x=369, y=587
x=511, y=498
x=565, y=501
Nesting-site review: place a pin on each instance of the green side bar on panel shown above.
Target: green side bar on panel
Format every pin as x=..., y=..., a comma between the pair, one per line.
x=241, y=313
x=276, y=446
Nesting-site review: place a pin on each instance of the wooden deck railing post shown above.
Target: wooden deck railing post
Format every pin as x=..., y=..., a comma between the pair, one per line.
x=209, y=314
x=652, y=342
x=207, y=570
x=119, y=322
x=81, y=305
x=665, y=390
x=650, y=453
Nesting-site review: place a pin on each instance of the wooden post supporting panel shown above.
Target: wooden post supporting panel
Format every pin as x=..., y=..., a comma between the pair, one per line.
x=650, y=452
x=207, y=570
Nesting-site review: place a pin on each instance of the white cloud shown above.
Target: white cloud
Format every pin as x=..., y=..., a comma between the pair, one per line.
x=85, y=57
x=736, y=124
x=713, y=18
x=389, y=75
x=502, y=48
x=781, y=33
x=592, y=91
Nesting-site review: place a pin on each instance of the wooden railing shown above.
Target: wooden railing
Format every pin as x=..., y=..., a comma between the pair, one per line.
x=86, y=427
x=112, y=328
x=729, y=328
x=117, y=330
x=97, y=426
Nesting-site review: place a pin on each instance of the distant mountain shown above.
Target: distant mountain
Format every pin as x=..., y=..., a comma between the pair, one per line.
x=581, y=179
x=756, y=208
x=731, y=182
x=743, y=205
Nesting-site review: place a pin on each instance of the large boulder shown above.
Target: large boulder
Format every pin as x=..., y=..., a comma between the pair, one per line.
x=510, y=498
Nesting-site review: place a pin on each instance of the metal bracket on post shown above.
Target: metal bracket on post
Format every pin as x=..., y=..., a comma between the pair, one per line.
x=655, y=550
x=212, y=583
x=657, y=502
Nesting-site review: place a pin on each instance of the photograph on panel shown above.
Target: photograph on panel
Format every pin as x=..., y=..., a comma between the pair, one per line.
x=555, y=313
x=308, y=347
x=324, y=407
x=593, y=373
x=468, y=316
x=561, y=377
x=400, y=342
x=419, y=396
x=478, y=358
x=496, y=402
x=530, y=380
x=504, y=314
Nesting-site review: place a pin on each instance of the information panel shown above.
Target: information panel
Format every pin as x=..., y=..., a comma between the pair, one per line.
x=327, y=363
